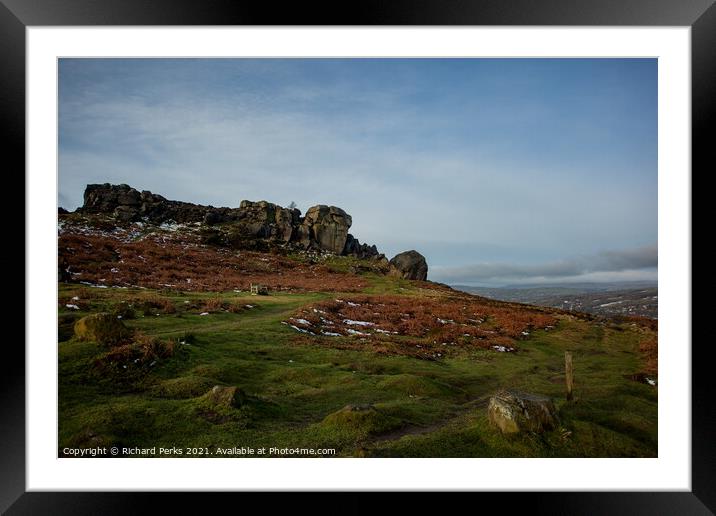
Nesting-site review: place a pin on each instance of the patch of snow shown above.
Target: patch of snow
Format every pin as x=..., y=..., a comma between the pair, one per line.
x=357, y=323
x=301, y=329
x=75, y=298
x=119, y=317
x=204, y=313
x=114, y=270
x=352, y=304
x=301, y=321
x=650, y=381
x=317, y=311
x=186, y=302
x=249, y=306
x=445, y=321
x=525, y=333
x=331, y=334
x=74, y=307
x=386, y=331
x=356, y=332
x=503, y=349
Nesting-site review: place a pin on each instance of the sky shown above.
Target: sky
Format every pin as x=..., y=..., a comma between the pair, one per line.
x=499, y=171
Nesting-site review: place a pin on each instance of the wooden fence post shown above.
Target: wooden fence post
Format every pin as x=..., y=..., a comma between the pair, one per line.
x=569, y=373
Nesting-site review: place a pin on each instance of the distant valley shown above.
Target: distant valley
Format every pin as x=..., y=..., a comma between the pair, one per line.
x=607, y=299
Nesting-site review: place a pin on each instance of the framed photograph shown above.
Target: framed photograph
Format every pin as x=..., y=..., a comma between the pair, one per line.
x=423, y=249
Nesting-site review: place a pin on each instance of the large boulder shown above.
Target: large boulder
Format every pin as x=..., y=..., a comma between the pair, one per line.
x=513, y=412
x=327, y=227
x=102, y=328
x=409, y=265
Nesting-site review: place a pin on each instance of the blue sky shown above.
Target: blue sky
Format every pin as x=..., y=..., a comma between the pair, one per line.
x=497, y=170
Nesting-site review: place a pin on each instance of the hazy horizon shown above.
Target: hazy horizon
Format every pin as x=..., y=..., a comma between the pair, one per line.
x=499, y=171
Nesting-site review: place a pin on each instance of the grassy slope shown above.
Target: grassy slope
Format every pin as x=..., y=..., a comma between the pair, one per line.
x=424, y=408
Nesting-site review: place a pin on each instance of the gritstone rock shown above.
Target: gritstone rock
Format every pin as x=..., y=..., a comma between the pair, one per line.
x=409, y=265
x=513, y=411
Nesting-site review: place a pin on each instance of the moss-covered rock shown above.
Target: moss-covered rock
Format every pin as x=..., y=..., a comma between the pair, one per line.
x=103, y=328
x=225, y=397
x=514, y=412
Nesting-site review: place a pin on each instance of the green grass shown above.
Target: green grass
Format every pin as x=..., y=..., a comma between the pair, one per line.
x=296, y=392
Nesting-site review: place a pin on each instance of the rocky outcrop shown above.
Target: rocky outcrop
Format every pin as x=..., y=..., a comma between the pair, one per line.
x=409, y=265
x=127, y=204
x=514, y=411
x=253, y=225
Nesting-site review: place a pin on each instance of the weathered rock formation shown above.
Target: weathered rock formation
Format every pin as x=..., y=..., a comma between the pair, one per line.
x=264, y=220
x=324, y=228
x=513, y=412
x=409, y=265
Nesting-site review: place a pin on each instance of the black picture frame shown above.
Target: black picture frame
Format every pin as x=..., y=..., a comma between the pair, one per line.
x=17, y=15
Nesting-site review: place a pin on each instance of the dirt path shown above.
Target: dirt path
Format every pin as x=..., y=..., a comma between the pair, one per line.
x=420, y=430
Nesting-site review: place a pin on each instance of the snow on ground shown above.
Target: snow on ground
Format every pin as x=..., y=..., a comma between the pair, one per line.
x=356, y=332
x=357, y=323
x=503, y=349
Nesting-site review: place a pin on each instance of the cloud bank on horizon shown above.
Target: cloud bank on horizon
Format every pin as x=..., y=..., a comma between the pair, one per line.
x=497, y=170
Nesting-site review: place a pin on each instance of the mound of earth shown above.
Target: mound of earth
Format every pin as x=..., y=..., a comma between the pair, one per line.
x=359, y=420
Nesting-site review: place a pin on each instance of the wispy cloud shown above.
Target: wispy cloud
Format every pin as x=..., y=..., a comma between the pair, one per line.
x=607, y=265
